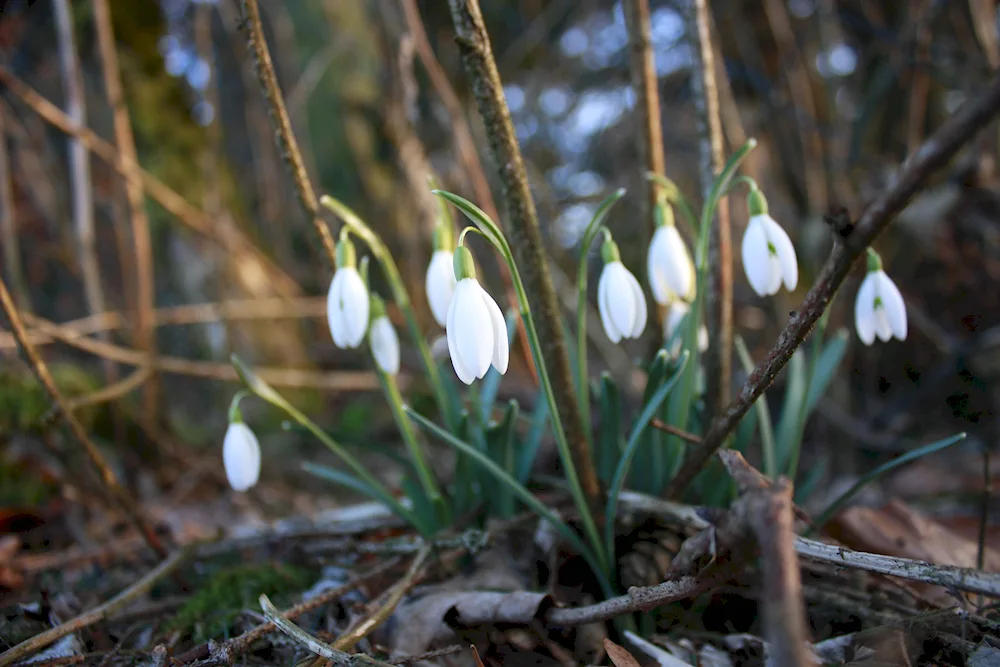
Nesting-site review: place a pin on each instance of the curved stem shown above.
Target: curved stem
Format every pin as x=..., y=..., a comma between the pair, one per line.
x=263, y=390
x=402, y=299
x=677, y=198
x=481, y=220
x=738, y=181
x=589, y=234
x=396, y=404
x=694, y=320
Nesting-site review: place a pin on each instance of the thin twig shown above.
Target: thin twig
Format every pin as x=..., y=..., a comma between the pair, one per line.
x=226, y=652
x=279, y=377
x=523, y=228
x=719, y=291
x=8, y=223
x=314, y=644
x=687, y=436
x=41, y=370
x=98, y=614
x=642, y=69
x=466, y=148
x=228, y=237
x=143, y=263
x=274, y=308
x=772, y=519
x=852, y=242
x=111, y=392
x=283, y=126
x=349, y=639
x=80, y=181
x=984, y=514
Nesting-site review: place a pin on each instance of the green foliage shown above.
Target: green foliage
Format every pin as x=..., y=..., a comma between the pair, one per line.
x=24, y=402
x=229, y=591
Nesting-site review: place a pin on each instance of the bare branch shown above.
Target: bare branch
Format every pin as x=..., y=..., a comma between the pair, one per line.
x=41, y=370
x=523, y=228
x=853, y=241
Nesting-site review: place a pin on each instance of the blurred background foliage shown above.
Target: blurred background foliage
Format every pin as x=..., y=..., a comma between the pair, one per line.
x=838, y=92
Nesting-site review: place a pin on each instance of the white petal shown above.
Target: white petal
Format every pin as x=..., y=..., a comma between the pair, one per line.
x=501, y=346
x=241, y=457
x=675, y=315
x=864, y=310
x=757, y=258
x=604, y=308
x=469, y=325
x=786, y=252
x=334, y=315
x=678, y=267
x=892, y=302
x=356, y=305
x=385, y=345
x=440, y=284
x=882, y=328
x=641, y=313
x=461, y=370
x=702, y=339
x=621, y=305
x=662, y=293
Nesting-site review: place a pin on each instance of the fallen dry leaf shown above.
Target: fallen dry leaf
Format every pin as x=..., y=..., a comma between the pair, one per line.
x=619, y=655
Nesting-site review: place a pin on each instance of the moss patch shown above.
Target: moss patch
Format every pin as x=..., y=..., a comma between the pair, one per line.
x=231, y=590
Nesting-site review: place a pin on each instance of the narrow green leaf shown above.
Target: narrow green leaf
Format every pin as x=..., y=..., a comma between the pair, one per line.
x=873, y=475
x=763, y=414
x=523, y=493
x=478, y=218
x=795, y=393
x=533, y=440
x=338, y=477
x=500, y=439
x=609, y=441
x=826, y=366
x=635, y=437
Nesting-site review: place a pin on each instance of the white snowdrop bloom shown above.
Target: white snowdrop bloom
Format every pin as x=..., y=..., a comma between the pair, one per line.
x=477, y=333
x=347, y=303
x=669, y=266
x=676, y=313
x=383, y=339
x=619, y=297
x=440, y=284
x=879, y=309
x=241, y=456
x=768, y=253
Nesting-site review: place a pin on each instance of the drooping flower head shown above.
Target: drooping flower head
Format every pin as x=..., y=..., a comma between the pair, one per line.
x=668, y=262
x=240, y=450
x=440, y=281
x=768, y=253
x=879, y=309
x=347, y=303
x=383, y=339
x=619, y=297
x=476, y=331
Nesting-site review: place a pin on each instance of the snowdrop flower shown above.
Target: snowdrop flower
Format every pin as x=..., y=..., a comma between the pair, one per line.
x=676, y=313
x=440, y=281
x=619, y=298
x=477, y=333
x=879, y=309
x=347, y=304
x=668, y=262
x=240, y=454
x=383, y=339
x=768, y=253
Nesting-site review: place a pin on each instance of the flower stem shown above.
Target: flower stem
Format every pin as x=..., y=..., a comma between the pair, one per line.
x=395, y=399
x=402, y=299
x=493, y=233
x=589, y=234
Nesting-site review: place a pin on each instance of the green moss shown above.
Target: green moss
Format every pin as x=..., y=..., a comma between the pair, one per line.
x=229, y=591
x=23, y=401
